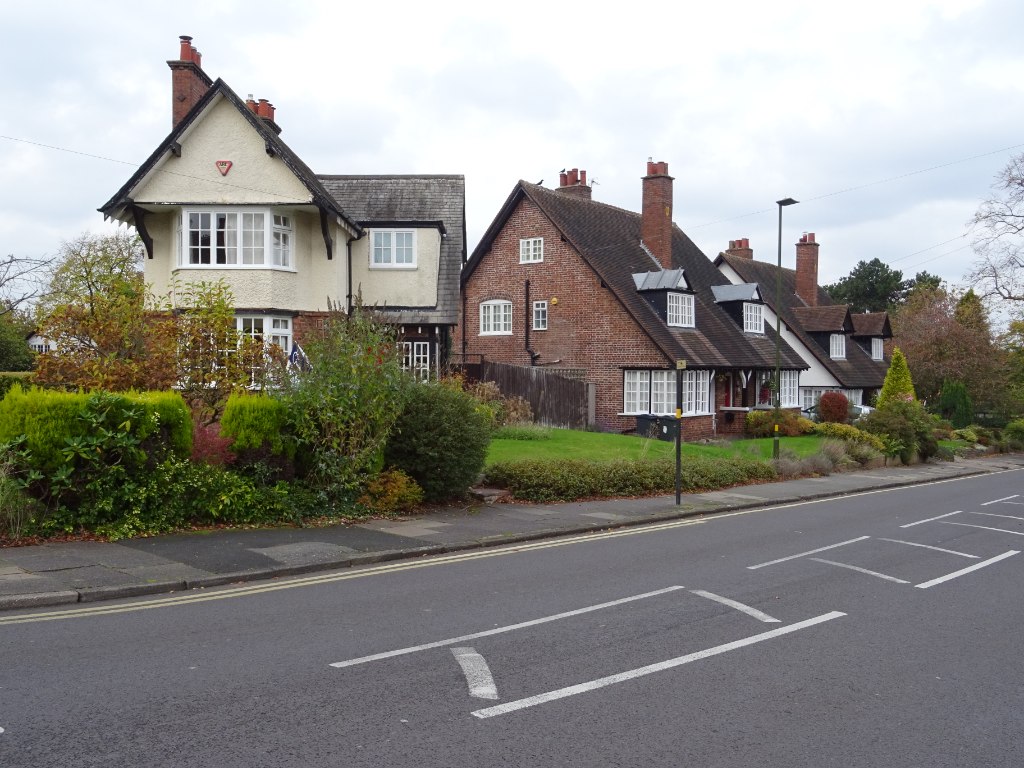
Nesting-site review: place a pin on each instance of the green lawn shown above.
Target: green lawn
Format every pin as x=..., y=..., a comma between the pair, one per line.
x=600, y=446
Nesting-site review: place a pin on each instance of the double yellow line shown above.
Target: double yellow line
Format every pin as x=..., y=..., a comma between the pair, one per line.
x=327, y=578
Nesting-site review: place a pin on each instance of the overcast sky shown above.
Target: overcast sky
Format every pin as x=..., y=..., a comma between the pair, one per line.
x=748, y=102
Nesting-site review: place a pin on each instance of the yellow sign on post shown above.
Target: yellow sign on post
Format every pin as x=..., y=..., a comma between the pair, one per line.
x=680, y=365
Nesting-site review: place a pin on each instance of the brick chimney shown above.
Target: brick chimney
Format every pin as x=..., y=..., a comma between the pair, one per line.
x=574, y=182
x=188, y=81
x=807, y=269
x=656, y=214
x=741, y=248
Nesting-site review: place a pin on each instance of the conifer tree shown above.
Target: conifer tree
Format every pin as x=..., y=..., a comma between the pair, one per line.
x=898, y=384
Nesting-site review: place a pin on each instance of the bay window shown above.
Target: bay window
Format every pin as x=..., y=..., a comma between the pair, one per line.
x=235, y=238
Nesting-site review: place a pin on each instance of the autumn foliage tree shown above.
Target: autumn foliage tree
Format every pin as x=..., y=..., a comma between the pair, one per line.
x=112, y=335
x=95, y=312
x=948, y=337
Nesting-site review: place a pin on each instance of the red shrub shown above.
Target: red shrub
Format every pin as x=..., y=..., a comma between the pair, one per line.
x=834, y=407
x=208, y=447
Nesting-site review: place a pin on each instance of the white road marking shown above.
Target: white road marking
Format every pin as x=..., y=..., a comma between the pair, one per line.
x=996, y=501
x=804, y=554
x=230, y=592
x=993, y=514
x=478, y=674
x=930, y=519
x=500, y=630
x=860, y=570
x=986, y=528
x=759, y=615
x=661, y=666
x=929, y=546
x=1, y=730
x=968, y=569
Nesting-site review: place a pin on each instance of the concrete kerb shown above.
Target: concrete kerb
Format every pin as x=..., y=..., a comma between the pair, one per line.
x=44, y=599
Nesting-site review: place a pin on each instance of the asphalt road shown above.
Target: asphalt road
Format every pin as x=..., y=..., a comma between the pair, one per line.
x=875, y=630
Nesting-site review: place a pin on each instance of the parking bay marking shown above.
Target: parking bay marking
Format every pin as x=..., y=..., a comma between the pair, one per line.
x=860, y=570
x=743, y=608
x=993, y=514
x=985, y=528
x=650, y=669
x=996, y=501
x=968, y=569
x=930, y=519
x=478, y=674
x=804, y=554
x=929, y=546
x=500, y=630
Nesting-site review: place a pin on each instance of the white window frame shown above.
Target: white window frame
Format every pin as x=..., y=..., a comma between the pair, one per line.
x=496, y=318
x=248, y=238
x=877, y=349
x=416, y=358
x=753, y=318
x=273, y=329
x=837, y=346
x=663, y=392
x=789, y=389
x=531, y=250
x=636, y=391
x=392, y=249
x=680, y=311
x=540, y=315
x=696, y=393
x=654, y=392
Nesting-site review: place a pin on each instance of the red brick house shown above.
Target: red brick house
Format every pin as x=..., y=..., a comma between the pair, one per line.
x=562, y=281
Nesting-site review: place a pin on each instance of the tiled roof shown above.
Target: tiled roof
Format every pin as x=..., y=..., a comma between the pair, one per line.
x=872, y=324
x=422, y=200
x=831, y=319
x=608, y=240
x=858, y=370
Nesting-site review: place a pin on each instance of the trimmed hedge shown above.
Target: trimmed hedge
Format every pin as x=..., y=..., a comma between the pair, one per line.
x=571, y=479
x=255, y=421
x=761, y=423
x=49, y=418
x=850, y=434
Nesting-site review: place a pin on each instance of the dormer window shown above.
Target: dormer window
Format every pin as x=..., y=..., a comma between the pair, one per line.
x=393, y=249
x=531, y=250
x=753, y=318
x=837, y=346
x=877, y=349
x=680, y=310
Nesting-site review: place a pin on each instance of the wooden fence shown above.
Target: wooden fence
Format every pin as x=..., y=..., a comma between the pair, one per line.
x=556, y=400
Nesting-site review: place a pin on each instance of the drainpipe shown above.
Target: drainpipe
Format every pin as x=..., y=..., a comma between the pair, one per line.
x=526, y=324
x=348, y=297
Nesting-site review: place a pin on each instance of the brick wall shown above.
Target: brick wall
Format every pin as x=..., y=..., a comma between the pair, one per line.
x=587, y=328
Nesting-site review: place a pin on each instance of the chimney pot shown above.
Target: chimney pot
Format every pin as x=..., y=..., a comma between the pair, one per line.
x=583, y=178
x=188, y=81
x=563, y=179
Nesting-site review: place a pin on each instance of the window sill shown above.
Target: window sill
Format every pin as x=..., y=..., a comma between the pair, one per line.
x=534, y=261
x=234, y=267
x=399, y=267
x=495, y=333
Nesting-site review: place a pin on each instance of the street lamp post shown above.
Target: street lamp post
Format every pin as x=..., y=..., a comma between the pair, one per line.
x=778, y=330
